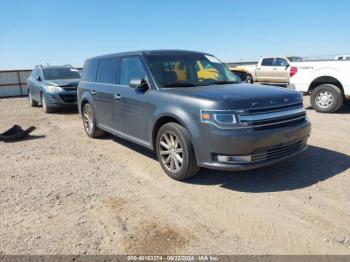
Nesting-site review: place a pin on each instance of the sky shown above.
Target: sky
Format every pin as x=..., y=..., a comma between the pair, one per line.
x=68, y=32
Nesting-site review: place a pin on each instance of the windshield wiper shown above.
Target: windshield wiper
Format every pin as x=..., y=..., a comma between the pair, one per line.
x=222, y=82
x=181, y=84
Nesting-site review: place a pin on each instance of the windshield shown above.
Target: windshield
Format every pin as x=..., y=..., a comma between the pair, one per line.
x=61, y=73
x=188, y=70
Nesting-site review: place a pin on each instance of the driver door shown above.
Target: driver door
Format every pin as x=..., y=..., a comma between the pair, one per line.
x=133, y=107
x=281, y=70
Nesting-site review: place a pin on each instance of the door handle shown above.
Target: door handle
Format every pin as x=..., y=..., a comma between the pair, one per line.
x=93, y=92
x=118, y=96
x=275, y=69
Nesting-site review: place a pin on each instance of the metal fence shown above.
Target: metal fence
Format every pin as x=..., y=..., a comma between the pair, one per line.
x=14, y=83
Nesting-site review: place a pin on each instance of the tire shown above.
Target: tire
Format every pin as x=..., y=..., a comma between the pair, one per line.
x=89, y=122
x=249, y=79
x=326, y=98
x=32, y=102
x=47, y=109
x=177, y=145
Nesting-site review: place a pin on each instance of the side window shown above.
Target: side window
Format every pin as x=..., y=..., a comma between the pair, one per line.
x=131, y=68
x=267, y=62
x=90, y=71
x=280, y=62
x=107, y=71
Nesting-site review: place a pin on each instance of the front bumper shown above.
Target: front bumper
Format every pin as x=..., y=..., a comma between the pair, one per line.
x=61, y=99
x=261, y=146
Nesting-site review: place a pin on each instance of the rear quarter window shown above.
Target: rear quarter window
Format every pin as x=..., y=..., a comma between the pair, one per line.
x=90, y=71
x=107, y=71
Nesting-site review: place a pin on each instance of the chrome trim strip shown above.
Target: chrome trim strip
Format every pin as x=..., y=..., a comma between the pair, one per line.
x=268, y=116
x=264, y=110
x=255, y=126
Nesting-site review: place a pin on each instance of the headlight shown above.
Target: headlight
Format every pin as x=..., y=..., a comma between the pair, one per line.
x=54, y=88
x=220, y=118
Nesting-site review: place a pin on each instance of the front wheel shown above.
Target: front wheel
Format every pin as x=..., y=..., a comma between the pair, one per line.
x=47, y=109
x=175, y=152
x=326, y=98
x=89, y=121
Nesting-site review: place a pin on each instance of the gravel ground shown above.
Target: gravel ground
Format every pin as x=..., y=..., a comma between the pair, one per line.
x=64, y=193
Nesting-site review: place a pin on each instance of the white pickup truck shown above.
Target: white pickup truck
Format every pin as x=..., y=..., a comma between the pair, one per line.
x=328, y=82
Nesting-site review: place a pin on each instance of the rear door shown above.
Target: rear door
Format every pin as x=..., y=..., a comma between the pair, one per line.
x=105, y=91
x=264, y=70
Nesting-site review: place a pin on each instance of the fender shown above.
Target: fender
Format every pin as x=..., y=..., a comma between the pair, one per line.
x=325, y=72
x=180, y=115
x=84, y=96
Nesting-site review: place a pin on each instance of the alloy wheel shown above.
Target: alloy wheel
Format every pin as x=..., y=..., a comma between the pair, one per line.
x=43, y=101
x=88, y=119
x=324, y=99
x=171, y=152
x=248, y=79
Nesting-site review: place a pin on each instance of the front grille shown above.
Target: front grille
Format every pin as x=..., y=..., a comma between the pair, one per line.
x=275, y=108
x=278, y=152
x=69, y=88
x=69, y=98
x=276, y=117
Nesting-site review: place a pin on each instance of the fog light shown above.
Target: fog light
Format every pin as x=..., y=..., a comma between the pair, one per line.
x=234, y=159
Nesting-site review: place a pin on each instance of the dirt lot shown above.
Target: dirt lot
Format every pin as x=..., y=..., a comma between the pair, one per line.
x=64, y=193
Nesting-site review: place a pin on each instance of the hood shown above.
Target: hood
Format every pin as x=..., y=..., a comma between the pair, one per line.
x=242, y=96
x=64, y=82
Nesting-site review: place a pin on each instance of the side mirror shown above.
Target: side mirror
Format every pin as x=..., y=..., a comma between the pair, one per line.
x=139, y=84
x=38, y=78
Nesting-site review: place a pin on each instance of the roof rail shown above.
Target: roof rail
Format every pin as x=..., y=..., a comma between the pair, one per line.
x=68, y=65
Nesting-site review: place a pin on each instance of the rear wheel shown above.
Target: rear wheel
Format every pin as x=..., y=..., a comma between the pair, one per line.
x=175, y=152
x=326, y=98
x=47, y=109
x=32, y=102
x=249, y=79
x=89, y=122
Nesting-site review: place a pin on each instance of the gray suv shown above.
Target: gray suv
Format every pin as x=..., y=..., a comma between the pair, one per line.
x=190, y=109
x=53, y=87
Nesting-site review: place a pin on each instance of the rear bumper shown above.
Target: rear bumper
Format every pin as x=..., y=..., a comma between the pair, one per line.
x=261, y=147
x=61, y=99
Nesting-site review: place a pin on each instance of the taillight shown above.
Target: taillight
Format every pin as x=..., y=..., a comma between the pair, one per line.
x=293, y=71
